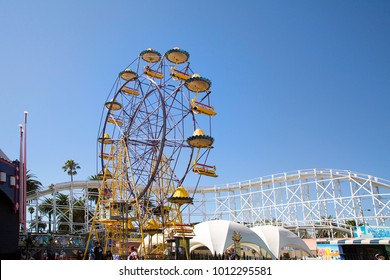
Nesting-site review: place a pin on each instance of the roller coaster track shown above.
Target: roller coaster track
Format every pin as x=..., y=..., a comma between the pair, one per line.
x=303, y=199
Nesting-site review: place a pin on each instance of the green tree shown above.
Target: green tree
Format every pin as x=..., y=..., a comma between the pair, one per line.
x=93, y=192
x=47, y=208
x=32, y=184
x=350, y=223
x=41, y=225
x=71, y=168
x=94, y=178
x=31, y=210
x=79, y=214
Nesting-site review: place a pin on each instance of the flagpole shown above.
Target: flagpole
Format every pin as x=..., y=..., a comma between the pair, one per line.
x=21, y=182
x=25, y=170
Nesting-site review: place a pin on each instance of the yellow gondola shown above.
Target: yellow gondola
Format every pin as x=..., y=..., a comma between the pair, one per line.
x=114, y=120
x=198, y=84
x=153, y=73
x=203, y=169
x=106, y=139
x=177, y=55
x=128, y=75
x=150, y=55
x=179, y=75
x=104, y=175
x=200, y=140
x=152, y=227
x=198, y=107
x=106, y=156
x=130, y=91
x=180, y=196
x=113, y=105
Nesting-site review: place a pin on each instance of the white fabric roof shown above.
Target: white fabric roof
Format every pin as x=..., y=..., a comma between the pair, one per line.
x=217, y=237
x=277, y=237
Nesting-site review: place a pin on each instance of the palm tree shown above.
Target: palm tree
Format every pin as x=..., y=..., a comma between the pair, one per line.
x=31, y=210
x=71, y=168
x=93, y=192
x=41, y=225
x=32, y=184
x=94, y=178
x=79, y=214
x=47, y=208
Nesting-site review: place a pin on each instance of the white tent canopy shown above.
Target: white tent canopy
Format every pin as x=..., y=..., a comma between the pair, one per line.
x=217, y=237
x=277, y=238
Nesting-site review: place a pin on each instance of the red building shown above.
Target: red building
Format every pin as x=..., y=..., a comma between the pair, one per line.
x=9, y=207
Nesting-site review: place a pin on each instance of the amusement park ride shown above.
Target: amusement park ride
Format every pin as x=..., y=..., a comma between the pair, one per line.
x=151, y=138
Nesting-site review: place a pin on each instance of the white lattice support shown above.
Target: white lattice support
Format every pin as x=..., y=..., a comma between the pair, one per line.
x=295, y=199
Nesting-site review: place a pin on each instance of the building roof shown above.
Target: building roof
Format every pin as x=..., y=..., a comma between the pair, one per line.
x=278, y=238
x=217, y=235
x=4, y=156
x=353, y=241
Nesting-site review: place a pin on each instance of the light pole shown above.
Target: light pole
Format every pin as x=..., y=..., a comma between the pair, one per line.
x=22, y=206
x=25, y=170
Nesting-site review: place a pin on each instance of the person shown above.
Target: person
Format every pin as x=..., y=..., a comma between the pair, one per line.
x=40, y=254
x=62, y=255
x=51, y=250
x=23, y=254
x=80, y=254
x=109, y=255
x=29, y=242
x=133, y=254
x=29, y=246
x=91, y=256
x=379, y=257
x=98, y=251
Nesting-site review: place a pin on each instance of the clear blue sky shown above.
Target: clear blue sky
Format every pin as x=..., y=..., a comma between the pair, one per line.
x=296, y=84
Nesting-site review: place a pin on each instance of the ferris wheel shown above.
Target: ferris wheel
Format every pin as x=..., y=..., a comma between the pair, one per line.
x=155, y=132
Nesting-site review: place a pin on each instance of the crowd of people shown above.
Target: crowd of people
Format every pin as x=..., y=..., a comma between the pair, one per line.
x=32, y=251
x=50, y=251
x=97, y=253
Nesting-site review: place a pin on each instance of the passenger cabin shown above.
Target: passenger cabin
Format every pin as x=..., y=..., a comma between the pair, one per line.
x=130, y=91
x=114, y=120
x=104, y=175
x=106, y=156
x=153, y=73
x=179, y=75
x=106, y=139
x=113, y=105
x=203, y=169
x=198, y=107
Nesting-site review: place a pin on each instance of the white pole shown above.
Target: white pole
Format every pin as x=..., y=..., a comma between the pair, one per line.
x=25, y=168
x=21, y=182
